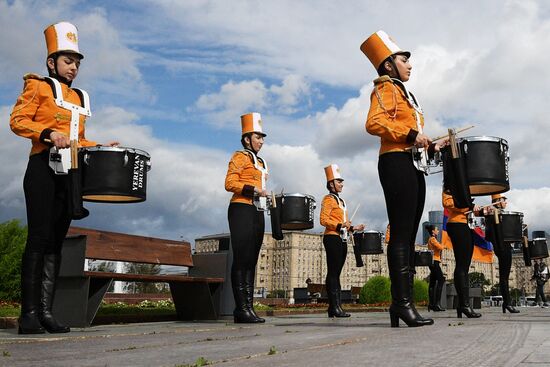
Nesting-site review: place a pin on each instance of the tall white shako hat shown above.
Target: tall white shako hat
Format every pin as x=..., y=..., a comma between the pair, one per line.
x=62, y=37
x=333, y=173
x=252, y=123
x=379, y=46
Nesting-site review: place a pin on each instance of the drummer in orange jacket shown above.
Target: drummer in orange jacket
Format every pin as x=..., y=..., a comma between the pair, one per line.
x=463, y=248
x=246, y=179
x=503, y=250
x=396, y=118
x=437, y=280
x=36, y=116
x=334, y=217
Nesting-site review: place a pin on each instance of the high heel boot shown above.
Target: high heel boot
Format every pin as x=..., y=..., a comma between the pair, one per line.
x=431, y=297
x=249, y=280
x=402, y=306
x=31, y=283
x=438, y=290
x=464, y=304
x=506, y=299
x=241, y=314
x=49, y=277
x=341, y=312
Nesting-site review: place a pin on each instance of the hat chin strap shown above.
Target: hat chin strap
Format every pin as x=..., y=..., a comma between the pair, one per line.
x=392, y=60
x=55, y=73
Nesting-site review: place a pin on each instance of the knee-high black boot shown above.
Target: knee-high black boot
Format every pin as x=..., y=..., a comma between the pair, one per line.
x=506, y=298
x=242, y=313
x=402, y=306
x=249, y=280
x=341, y=312
x=431, y=296
x=437, y=294
x=51, y=271
x=463, y=293
x=31, y=283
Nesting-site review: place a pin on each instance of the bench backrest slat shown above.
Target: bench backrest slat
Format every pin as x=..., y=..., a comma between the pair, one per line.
x=111, y=246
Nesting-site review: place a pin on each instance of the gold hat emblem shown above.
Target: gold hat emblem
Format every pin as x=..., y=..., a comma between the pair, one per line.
x=72, y=37
x=260, y=123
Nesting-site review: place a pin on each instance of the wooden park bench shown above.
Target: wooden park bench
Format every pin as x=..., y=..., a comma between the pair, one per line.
x=79, y=293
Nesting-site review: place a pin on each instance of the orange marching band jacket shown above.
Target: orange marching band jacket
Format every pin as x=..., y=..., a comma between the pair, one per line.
x=392, y=116
x=243, y=176
x=333, y=214
x=456, y=215
x=436, y=247
x=35, y=114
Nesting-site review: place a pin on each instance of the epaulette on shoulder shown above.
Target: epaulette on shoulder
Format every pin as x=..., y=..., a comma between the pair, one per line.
x=381, y=79
x=32, y=76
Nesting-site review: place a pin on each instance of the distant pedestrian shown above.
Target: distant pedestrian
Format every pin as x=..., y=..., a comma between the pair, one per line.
x=540, y=276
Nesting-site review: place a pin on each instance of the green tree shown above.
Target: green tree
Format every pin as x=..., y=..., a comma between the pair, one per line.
x=144, y=287
x=13, y=236
x=478, y=279
x=375, y=290
x=277, y=293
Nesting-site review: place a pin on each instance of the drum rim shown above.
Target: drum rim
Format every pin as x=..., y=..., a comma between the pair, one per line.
x=483, y=138
x=115, y=149
x=369, y=231
x=295, y=194
x=424, y=251
x=508, y=212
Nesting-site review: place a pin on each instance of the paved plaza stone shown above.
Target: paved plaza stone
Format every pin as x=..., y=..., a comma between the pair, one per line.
x=365, y=339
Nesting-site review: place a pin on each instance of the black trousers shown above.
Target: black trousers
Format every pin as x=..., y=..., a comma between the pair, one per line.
x=540, y=292
x=463, y=248
x=436, y=274
x=336, y=251
x=46, y=198
x=404, y=191
x=503, y=252
x=246, y=226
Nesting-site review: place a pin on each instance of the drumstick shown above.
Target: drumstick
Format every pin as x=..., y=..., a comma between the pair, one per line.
x=482, y=207
x=353, y=215
x=456, y=132
x=444, y=136
x=273, y=201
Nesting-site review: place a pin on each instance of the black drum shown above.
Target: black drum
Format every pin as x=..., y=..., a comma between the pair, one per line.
x=114, y=174
x=296, y=211
x=423, y=258
x=512, y=223
x=485, y=160
x=538, y=248
x=539, y=234
x=368, y=242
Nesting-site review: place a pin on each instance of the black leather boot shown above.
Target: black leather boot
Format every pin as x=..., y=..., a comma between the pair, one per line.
x=241, y=314
x=249, y=280
x=31, y=283
x=464, y=307
x=431, y=298
x=333, y=310
x=506, y=299
x=438, y=290
x=402, y=306
x=341, y=312
x=49, y=277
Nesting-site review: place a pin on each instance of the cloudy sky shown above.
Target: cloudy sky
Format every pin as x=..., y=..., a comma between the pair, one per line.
x=173, y=77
